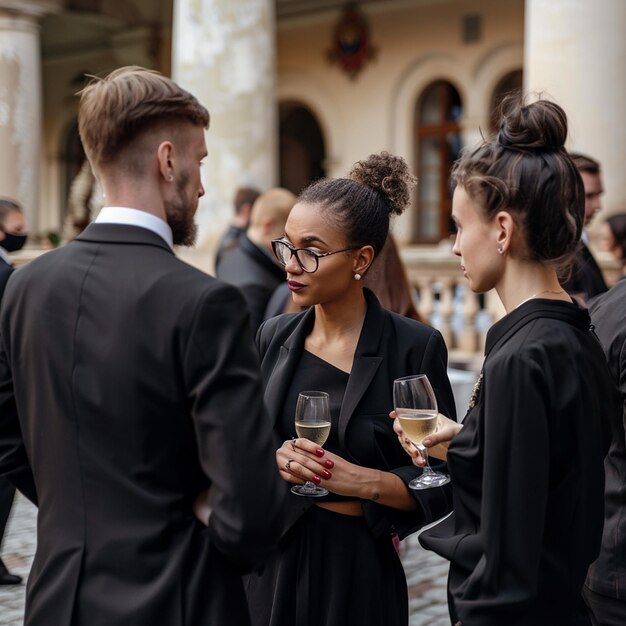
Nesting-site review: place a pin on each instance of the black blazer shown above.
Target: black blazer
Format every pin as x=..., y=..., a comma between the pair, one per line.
x=251, y=269
x=527, y=473
x=5, y=271
x=390, y=346
x=137, y=385
x=607, y=576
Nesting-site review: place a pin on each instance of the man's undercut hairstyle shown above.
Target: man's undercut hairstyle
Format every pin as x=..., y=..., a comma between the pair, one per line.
x=115, y=110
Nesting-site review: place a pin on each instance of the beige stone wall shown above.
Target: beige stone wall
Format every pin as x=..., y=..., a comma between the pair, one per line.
x=417, y=43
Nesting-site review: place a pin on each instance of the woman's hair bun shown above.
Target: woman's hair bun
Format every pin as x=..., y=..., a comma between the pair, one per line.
x=389, y=175
x=538, y=126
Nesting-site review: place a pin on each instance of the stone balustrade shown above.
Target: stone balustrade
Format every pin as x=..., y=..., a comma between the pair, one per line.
x=462, y=316
x=444, y=298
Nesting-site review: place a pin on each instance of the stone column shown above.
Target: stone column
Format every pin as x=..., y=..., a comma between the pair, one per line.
x=575, y=51
x=20, y=102
x=224, y=53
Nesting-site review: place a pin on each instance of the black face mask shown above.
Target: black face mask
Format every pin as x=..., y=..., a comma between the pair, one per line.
x=13, y=243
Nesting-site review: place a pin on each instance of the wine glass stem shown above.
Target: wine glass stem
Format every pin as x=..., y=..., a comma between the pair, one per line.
x=423, y=450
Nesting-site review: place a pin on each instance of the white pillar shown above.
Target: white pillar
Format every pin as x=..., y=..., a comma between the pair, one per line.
x=575, y=51
x=224, y=53
x=20, y=102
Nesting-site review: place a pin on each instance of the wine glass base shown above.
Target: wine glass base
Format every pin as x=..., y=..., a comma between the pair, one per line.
x=426, y=481
x=312, y=492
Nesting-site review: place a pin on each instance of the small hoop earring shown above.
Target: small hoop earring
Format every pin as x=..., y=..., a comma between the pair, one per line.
x=357, y=277
x=170, y=178
x=500, y=250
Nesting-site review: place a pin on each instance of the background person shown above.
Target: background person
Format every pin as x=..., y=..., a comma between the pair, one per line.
x=242, y=205
x=586, y=279
x=336, y=563
x=12, y=238
x=129, y=383
x=605, y=587
x=613, y=236
x=527, y=464
x=250, y=264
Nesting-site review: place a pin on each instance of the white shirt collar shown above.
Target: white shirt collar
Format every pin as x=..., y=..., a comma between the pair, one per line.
x=135, y=217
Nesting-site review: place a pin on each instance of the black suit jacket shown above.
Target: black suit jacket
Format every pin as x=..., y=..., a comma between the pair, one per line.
x=586, y=278
x=390, y=346
x=607, y=576
x=248, y=267
x=137, y=385
x=7, y=490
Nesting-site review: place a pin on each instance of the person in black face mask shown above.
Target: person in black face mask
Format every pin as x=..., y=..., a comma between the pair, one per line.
x=11, y=239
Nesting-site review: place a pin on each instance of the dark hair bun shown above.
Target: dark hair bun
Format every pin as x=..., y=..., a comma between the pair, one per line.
x=389, y=175
x=539, y=126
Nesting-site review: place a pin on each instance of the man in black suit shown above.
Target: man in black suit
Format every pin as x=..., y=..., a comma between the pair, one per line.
x=605, y=588
x=137, y=387
x=243, y=202
x=251, y=264
x=11, y=239
x=586, y=280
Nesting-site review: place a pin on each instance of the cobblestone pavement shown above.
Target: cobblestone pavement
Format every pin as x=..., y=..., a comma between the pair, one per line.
x=426, y=573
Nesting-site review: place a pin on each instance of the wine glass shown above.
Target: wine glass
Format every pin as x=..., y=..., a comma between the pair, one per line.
x=416, y=407
x=313, y=423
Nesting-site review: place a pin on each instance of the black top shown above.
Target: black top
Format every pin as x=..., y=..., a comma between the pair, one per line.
x=608, y=574
x=315, y=373
x=527, y=473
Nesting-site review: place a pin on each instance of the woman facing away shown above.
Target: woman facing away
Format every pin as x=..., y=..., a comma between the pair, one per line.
x=336, y=563
x=527, y=464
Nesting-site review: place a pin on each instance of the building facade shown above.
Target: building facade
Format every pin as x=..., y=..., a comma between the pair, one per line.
x=299, y=89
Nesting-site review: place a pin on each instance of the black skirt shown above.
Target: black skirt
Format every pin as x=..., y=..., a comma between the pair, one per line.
x=329, y=570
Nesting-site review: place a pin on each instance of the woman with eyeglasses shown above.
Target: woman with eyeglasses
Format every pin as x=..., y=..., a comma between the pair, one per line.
x=336, y=563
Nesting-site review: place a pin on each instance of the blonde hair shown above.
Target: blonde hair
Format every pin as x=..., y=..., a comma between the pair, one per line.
x=273, y=205
x=115, y=110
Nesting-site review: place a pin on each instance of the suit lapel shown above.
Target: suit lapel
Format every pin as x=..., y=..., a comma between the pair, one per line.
x=365, y=365
x=286, y=363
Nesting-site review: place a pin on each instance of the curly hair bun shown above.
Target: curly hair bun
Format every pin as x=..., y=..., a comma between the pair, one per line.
x=389, y=175
x=539, y=126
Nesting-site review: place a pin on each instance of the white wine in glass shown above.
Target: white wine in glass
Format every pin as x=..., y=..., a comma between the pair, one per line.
x=416, y=407
x=313, y=423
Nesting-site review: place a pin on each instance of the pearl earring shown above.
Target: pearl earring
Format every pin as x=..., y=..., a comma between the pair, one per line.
x=357, y=277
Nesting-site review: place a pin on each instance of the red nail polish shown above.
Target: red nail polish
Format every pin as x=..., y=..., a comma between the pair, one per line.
x=316, y=479
x=326, y=474
x=329, y=464
x=319, y=452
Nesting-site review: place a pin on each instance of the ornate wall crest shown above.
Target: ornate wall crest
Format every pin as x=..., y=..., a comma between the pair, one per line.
x=352, y=44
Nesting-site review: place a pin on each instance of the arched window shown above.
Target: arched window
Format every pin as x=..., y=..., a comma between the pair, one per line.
x=302, y=151
x=438, y=143
x=509, y=83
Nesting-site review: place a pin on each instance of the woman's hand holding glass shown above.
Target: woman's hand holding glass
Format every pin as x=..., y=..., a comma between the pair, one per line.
x=416, y=406
x=437, y=443
x=300, y=460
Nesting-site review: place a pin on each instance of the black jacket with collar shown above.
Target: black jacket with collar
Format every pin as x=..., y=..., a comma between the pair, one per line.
x=390, y=346
x=254, y=272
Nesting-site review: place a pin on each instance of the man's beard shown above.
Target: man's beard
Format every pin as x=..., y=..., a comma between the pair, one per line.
x=180, y=216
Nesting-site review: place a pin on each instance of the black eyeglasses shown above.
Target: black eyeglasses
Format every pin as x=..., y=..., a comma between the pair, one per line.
x=307, y=259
